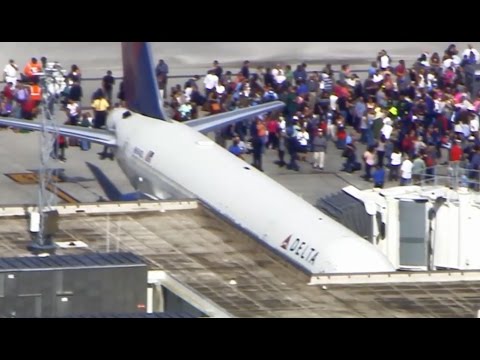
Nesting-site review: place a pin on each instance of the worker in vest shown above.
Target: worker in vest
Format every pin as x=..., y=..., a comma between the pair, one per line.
x=36, y=92
x=32, y=69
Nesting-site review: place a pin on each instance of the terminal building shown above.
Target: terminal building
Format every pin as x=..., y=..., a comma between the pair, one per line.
x=181, y=260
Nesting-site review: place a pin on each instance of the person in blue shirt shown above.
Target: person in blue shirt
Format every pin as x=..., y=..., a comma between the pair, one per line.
x=302, y=87
x=300, y=75
x=379, y=177
x=236, y=148
x=372, y=70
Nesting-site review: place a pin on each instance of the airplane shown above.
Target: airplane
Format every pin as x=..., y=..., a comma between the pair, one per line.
x=168, y=159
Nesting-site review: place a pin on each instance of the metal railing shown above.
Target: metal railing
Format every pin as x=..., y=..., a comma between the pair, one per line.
x=455, y=175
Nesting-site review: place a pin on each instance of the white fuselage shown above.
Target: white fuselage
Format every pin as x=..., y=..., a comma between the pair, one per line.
x=169, y=159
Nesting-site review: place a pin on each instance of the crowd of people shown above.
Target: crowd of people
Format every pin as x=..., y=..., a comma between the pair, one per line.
x=403, y=115
x=24, y=93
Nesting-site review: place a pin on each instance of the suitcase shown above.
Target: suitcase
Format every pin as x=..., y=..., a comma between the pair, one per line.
x=73, y=141
x=85, y=145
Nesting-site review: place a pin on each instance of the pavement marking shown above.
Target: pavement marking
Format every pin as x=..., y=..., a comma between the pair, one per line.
x=32, y=179
x=29, y=178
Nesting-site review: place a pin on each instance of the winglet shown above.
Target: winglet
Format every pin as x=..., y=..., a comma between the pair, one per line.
x=140, y=84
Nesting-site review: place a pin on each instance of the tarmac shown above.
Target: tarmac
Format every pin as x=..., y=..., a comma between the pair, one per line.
x=218, y=263
x=211, y=257
x=20, y=154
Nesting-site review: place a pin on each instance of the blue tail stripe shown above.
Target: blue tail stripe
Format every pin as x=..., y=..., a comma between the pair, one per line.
x=139, y=83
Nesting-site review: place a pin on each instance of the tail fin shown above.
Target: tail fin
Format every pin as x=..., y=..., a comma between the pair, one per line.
x=139, y=83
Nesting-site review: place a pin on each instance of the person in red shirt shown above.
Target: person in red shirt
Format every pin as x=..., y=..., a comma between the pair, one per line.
x=322, y=127
x=456, y=151
x=59, y=148
x=28, y=108
x=8, y=92
x=272, y=128
x=408, y=143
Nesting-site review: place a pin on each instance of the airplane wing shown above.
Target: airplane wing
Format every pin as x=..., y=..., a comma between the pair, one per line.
x=94, y=135
x=214, y=122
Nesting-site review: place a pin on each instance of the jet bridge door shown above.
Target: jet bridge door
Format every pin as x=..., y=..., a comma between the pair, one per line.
x=413, y=233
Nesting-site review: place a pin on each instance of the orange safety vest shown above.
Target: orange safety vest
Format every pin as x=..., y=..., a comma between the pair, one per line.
x=32, y=69
x=36, y=92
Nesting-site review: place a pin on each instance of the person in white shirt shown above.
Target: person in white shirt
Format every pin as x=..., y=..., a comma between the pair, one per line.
x=469, y=50
x=395, y=162
x=425, y=62
x=188, y=93
x=282, y=124
x=10, y=73
x=474, y=122
x=211, y=82
x=333, y=102
x=280, y=77
x=387, y=128
x=384, y=60
x=220, y=89
x=275, y=71
x=351, y=81
x=456, y=60
x=378, y=77
x=447, y=63
x=421, y=81
x=406, y=170
x=303, y=138
x=73, y=111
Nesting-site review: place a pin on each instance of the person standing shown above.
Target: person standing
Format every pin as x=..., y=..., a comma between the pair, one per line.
x=395, y=163
x=303, y=138
x=245, y=70
x=60, y=145
x=107, y=84
x=36, y=92
x=418, y=169
x=292, y=146
x=100, y=107
x=73, y=112
x=369, y=159
x=236, y=148
x=319, y=150
x=76, y=93
x=257, y=144
x=10, y=73
x=211, y=83
x=217, y=69
x=406, y=170
x=161, y=72
x=32, y=69
x=121, y=95
x=282, y=148
x=379, y=177
x=75, y=74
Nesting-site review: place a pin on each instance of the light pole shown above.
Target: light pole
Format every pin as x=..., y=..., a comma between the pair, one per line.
x=44, y=223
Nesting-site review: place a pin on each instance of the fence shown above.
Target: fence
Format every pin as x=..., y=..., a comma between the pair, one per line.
x=454, y=175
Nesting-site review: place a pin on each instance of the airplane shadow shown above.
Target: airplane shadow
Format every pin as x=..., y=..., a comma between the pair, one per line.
x=111, y=191
x=60, y=173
